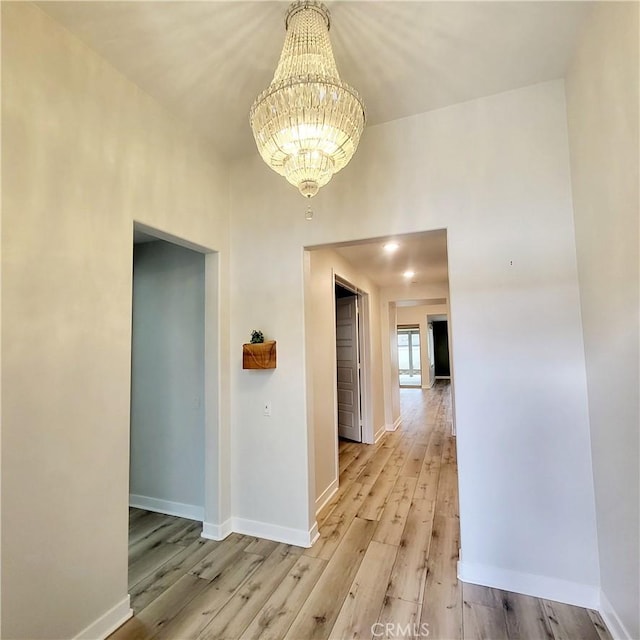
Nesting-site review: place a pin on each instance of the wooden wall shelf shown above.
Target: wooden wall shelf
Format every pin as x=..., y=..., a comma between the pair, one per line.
x=261, y=355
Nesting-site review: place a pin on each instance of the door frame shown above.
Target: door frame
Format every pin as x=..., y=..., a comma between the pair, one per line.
x=364, y=349
x=216, y=409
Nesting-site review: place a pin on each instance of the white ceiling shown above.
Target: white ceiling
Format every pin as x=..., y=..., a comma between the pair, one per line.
x=423, y=253
x=207, y=61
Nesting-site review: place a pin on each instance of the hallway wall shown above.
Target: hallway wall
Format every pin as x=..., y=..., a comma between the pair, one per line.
x=89, y=153
x=495, y=173
x=602, y=109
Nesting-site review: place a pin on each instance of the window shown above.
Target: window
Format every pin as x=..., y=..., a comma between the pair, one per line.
x=409, y=356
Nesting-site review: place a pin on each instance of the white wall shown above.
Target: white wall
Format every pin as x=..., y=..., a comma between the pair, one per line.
x=495, y=173
x=167, y=380
x=320, y=328
x=390, y=368
x=602, y=108
x=85, y=153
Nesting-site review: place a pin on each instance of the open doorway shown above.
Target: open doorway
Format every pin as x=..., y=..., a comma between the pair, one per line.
x=167, y=379
x=405, y=278
x=174, y=402
x=409, y=360
x=439, y=330
x=348, y=363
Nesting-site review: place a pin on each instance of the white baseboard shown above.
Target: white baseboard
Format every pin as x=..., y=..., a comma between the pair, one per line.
x=581, y=595
x=395, y=425
x=314, y=534
x=379, y=434
x=213, y=531
x=297, y=537
x=326, y=495
x=108, y=622
x=189, y=511
x=611, y=619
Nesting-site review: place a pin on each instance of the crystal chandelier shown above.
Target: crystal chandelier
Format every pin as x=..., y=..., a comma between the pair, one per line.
x=307, y=123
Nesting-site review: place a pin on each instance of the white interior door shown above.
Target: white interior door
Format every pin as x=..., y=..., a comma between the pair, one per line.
x=347, y=357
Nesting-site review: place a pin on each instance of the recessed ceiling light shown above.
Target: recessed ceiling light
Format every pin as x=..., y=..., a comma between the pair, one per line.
x=409, y=274
x=390, y=247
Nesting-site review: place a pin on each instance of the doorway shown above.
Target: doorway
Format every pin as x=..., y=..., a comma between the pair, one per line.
x=175, y=401
x=376, y=266
x=166, y=471
x=348, y=362
x=442, y=363
x=409, y=362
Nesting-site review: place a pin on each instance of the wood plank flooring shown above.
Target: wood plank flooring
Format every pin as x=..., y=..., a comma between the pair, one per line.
x=383, y=567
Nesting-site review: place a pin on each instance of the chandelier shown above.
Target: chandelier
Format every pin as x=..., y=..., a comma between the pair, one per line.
x=307, y=123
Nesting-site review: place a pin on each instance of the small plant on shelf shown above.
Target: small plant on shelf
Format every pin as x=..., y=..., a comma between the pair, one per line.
x=259, y=353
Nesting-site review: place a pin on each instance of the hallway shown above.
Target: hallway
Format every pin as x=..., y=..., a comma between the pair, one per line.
x=384, y=565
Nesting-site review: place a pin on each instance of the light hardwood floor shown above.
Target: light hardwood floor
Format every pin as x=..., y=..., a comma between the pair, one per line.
x=383, y=567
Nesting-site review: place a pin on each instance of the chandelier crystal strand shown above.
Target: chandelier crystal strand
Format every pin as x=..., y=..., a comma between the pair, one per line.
x=307, y=123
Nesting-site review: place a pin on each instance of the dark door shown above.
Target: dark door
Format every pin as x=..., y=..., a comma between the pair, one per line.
x=441, y=348
x=348, y=363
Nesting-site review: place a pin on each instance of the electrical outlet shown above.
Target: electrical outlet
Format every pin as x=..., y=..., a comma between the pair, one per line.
x=266, y=408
